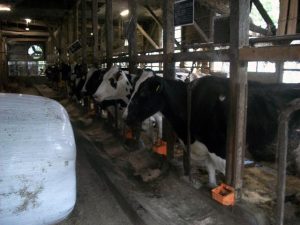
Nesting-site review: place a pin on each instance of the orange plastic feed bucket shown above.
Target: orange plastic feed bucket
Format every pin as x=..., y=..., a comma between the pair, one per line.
x=224, y=194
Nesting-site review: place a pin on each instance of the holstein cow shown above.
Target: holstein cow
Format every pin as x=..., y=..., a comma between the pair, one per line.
x=123, y=86
x=78, y=79
x=120, y=86
x=209, y=110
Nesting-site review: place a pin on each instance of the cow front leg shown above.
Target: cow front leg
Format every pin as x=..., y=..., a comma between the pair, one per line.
x=211, y=170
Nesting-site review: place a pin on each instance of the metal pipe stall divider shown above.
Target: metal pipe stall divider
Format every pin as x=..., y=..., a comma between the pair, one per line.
x=282, y=156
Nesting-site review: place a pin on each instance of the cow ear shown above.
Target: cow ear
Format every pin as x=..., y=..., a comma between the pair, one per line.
x=158, y=88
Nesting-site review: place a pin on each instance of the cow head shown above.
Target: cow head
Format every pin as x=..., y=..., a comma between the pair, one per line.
x=146, y=101
x=115, y=85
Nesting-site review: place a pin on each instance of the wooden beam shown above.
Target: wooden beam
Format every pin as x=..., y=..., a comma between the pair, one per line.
x=258, y=29
x=293, y=17
x=157, y=20
x=201, y=32
x=144, y=33
x=25, y=33
x=283, y=14
x=3, y=63
x=275, y=39
x=265, y=15
x=95, y=31
x=84, y=35
x=271, y=53
x=214, y=55
x=109, y=32
x=132, y=45
x=236, y=125
x=76, y=19
x=26, y=40
x=169, y=65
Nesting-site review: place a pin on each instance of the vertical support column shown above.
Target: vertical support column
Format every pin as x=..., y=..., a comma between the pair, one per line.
x=109, y=32
x=70, y=35
x=3, y=64
x=132, y=46
x=169, y=65
x=76, y=16
x=236, y=130
x=279, y=72
x=83, y=35
x=64, y=40
x=59, y=44
x=95, y=31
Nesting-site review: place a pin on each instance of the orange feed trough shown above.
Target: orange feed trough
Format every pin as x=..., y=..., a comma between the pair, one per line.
x=223, y=194
x=160, y=147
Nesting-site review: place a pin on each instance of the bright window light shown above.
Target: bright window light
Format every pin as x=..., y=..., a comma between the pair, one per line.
x=28, y=20
x=5, y=8
x=124, y=13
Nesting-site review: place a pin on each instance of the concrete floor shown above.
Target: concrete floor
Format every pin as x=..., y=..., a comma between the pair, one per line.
x=95, y=203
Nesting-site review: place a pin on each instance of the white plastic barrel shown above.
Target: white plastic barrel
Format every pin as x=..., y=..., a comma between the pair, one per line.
x=37, y=161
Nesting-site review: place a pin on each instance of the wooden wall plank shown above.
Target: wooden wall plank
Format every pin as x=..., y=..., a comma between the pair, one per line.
x=293, y=17
x=271, y=53
x=283, y=13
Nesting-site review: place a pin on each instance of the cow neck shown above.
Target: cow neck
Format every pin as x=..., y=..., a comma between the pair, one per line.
x=175, y=110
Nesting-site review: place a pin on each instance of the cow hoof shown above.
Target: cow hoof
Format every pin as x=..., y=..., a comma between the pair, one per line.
x=212, y=185
x=196, y=183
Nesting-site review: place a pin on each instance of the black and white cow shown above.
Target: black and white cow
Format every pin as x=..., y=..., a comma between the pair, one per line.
x=77, y=81
x=120, y=86
x=209, y=116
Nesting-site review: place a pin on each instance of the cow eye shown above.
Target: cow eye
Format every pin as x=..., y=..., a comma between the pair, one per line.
x=112, y=82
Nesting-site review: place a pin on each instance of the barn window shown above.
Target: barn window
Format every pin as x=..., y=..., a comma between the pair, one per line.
x=291, y=73
x=178, y=35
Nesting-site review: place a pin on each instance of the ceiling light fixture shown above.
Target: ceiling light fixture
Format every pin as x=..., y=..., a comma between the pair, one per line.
x=28, y=20
x=5, y=8
x=124, y=13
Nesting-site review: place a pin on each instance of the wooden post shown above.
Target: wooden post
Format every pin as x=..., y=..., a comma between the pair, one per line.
x=3, y=64
x=95, y=31
x=76, y=16
x=59, y=44
x=132, y=46
x=239, y=27
x=84, y=35
x=169, y=65
x=279, y=71
x=75, y=26
x=109, y=32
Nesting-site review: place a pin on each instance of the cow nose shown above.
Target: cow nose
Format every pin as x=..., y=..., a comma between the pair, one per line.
x=97, y=98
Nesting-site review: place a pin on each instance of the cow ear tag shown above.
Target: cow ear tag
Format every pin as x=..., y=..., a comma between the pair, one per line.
x=157, y=88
